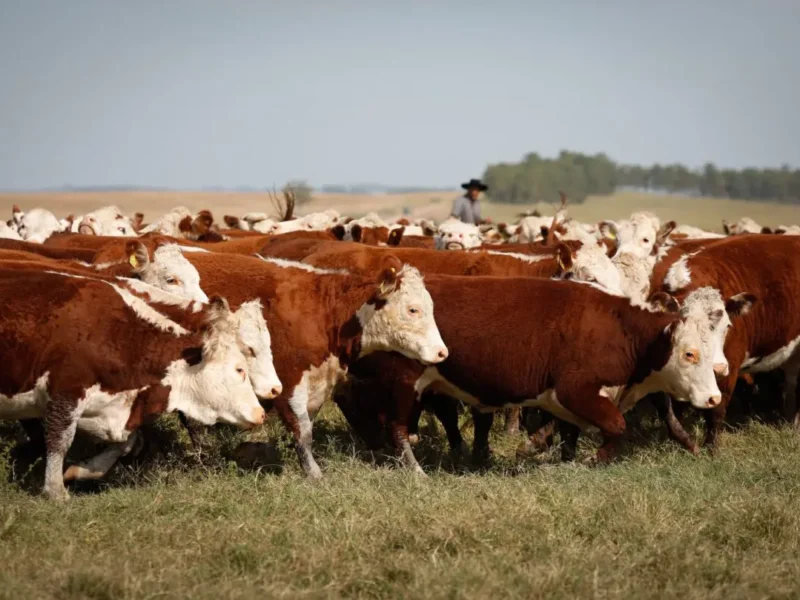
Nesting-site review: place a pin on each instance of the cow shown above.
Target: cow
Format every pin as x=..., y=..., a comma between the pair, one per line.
x=581, y=340
x=107, y=221
x=85, y=255
x=322, y=320
x=456, y=235
x=770, y=333
x=36, y=225
x=112, y=369
x=743, y=226
x=154, y=259
x=8, y=232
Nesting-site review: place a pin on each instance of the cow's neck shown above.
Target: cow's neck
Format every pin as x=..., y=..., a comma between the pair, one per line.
x=651, y=347
x=345, y=300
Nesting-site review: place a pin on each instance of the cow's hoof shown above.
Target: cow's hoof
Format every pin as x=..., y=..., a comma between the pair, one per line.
x=57, y=495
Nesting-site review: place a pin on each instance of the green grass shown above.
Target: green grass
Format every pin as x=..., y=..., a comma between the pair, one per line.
x=658, y=523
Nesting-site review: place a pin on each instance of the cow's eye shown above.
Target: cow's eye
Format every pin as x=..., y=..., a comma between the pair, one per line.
x=171, y=281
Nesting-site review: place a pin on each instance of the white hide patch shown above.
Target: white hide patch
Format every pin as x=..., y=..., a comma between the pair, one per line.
x=317, y=385
x=291, y=264
x=147, y=313
x=776, y=360
x=527, y=258
x=104, y=415
x=191, y=249
x=679, y=276
x=26, y=405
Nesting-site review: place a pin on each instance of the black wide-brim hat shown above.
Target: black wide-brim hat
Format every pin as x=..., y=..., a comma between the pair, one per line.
x=475, y=184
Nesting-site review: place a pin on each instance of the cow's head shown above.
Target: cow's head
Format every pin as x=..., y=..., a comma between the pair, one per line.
x=641, y=235
x=164, y=266
x=696, y=346
x=591, y=264
x=108, y=221
x=256, y=345
x=193, y=228
x=399, y=316
x=212, y=385
x=36, y=225
x=457, y=235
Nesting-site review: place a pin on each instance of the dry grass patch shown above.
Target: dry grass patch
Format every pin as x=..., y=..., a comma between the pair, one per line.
x=660, y=523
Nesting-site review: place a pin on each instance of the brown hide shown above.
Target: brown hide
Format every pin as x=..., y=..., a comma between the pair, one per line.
x=348, y=255
x=767, y=266
x=83, y=254
x=610, y=343
x=310, y=316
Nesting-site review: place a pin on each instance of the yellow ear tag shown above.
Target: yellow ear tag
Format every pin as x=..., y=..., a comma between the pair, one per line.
x=133, y=261
x=392, y=269
x=612, y=235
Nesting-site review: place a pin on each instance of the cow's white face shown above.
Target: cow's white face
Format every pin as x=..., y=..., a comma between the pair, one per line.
x=217, y=389
x=108, y=221
x=709, y=301
x=743, y=225
x=172, y=272
x=402, y=320
x=530, y=228
x=37, y=225
x=689, y=372
x=8, y=233
x=637, y=235
x=592, y=264
x=457, y=235
x=256, y=345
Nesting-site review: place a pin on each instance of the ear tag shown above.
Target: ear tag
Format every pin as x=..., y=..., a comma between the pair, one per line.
x=133, y=261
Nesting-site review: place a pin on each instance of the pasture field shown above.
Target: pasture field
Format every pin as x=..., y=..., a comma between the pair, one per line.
x=659, y=523
x=701, y=212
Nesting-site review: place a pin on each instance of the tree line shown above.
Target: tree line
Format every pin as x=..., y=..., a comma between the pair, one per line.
x=536, y=179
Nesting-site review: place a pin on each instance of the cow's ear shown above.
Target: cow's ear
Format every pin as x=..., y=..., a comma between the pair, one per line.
x=664, y=231
x=428, y=230
x=608, y=229
x=564, y=257
x=766, y=230
x=355, y=232
x=185, y=224
x=780, y=231
x=137, y=254
x=137, y=221
x=663, y=302
x=740, y=304
x=395, y=236
x=202, y=223
x=725, y=227
x=338, y=232
x=231, y=221
x=388, y=279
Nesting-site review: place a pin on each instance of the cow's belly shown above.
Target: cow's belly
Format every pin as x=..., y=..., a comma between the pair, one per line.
x=776, y=360
x=26, y=405
x=105, y=415
x=432, y=380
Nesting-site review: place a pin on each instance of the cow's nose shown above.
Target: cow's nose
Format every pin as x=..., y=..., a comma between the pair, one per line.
x=443, y=354
x=721, y=368
x=714, y=401
x=276, y=391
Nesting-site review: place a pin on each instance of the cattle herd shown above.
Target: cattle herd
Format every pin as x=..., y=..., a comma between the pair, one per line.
x=108, y=322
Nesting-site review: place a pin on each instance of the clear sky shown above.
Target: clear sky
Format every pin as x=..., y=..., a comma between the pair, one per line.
x=192, y=93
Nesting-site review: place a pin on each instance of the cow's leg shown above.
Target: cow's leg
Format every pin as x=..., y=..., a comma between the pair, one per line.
x=664, y=407
x=60, y=421
x=569, y=439
x=587, y=404
x=716, y=416
x=541, y=438
x=482, y=424
x=446, y=411
x=790, y=375
x=98, y=466
x=512, y=421
x=414, y=416
x=294, y=414
x=404, y=407
x=193, y=430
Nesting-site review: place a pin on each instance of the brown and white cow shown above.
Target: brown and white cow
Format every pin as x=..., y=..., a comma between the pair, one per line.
x=115, y=368
x=769, y=337
x=611, y=343
x=322, y=320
